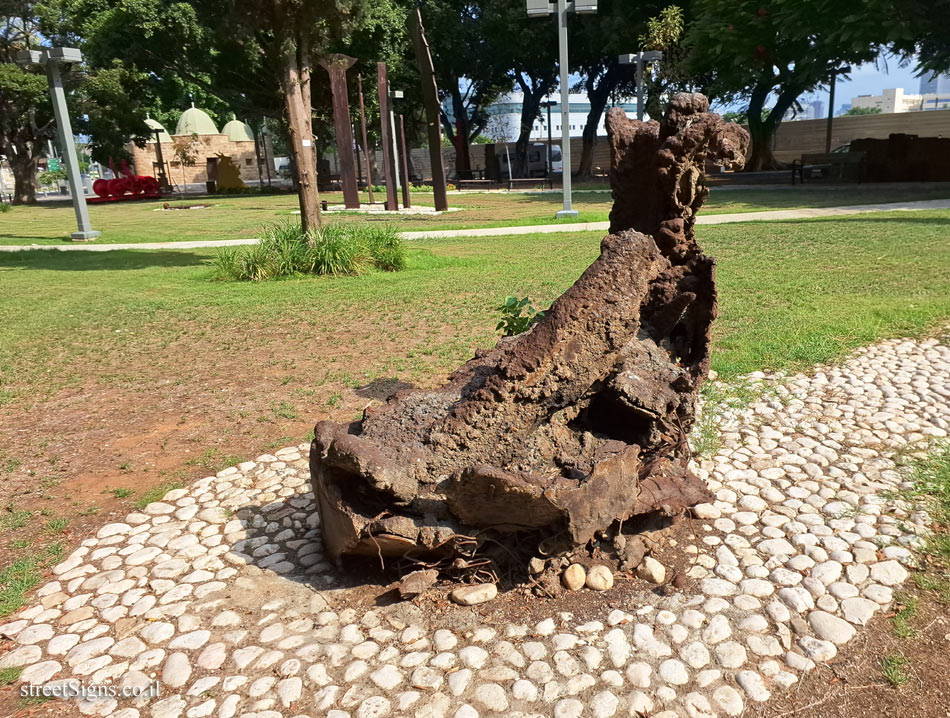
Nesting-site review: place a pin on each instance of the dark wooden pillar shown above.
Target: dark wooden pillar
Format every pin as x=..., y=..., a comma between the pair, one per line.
x=430, y=97
x=337, y=65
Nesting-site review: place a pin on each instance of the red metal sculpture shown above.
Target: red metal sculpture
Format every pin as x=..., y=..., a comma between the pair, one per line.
x=126, y=185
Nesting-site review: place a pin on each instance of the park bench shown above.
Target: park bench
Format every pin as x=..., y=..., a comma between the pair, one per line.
x=530, y=182
x=474, y=183
x=830, y=164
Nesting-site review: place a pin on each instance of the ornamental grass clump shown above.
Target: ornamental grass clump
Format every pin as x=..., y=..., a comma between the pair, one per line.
x=336, y=249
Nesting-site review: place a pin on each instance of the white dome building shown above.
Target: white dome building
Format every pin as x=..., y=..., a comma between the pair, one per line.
x=195, y=122
x=238, y=131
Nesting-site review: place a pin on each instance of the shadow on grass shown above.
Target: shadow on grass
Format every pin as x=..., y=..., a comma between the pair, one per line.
x=45, y=237
x=901, y=217
x=54, y=260
x=383, y=388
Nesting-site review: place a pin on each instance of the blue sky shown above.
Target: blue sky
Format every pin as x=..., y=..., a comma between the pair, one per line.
x=871, y=79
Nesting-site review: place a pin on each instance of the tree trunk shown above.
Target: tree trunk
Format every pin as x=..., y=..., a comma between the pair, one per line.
x=463, y=161
x=530, y=111
x=762, y=131
x=295, y=84
x=24, y=166
x=575, y=430
x=597, y=93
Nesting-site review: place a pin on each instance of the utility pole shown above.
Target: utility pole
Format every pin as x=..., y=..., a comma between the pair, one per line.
x=538, y=8
x=50, y=59
x=831, y=113
x=831, y=104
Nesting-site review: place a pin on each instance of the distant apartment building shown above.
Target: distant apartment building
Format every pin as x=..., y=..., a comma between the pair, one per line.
x=896, y=100
x=504, y=123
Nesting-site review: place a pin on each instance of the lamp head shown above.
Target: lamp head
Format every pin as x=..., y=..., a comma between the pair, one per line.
x=29, y=58
x=538, y=8
x=64, y=54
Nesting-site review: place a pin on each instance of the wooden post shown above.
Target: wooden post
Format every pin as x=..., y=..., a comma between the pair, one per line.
x=337, y=65
x=382, y=86
x=430, y=96
x=406, y=200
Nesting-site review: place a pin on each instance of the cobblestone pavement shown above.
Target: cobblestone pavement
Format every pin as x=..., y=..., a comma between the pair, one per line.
x=220, y=591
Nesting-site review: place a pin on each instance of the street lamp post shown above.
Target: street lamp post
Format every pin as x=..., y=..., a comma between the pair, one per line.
x=51, y=59
x=538, y=8
x=640, y=59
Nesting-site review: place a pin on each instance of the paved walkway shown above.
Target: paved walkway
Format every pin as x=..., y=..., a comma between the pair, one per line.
x=220, y=595
x=769, y=216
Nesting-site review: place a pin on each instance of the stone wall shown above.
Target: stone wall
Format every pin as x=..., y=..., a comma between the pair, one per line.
x=145, y=159
x=793, y=139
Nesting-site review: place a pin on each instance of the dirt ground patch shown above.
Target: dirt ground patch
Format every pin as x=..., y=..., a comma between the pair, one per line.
x=854, y=686
x=95, y=450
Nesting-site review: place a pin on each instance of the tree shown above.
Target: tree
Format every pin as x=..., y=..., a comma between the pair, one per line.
x=470, y=72
x=26, y=124
x=528, y=48
x=917, y=29
x=101, y=102
x=185, y=150
x=664, y=34
x=863, y=111
x=596, y=43
x=758, y=49
x=254, y=57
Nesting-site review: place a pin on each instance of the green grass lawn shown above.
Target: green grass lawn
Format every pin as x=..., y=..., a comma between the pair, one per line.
x=791, y=294
x=242, y=216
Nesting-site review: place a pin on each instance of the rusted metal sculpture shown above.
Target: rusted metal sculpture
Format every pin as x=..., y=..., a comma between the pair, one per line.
x=430, y=96
x=125, y=186
x=389, y=164
x=336, y=66
x=559, y=433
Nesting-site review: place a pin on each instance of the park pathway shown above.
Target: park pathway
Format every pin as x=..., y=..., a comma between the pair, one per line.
x=220, y=591
x=771, y=215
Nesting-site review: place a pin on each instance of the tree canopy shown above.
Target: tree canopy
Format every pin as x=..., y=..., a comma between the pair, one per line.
x=105, y=100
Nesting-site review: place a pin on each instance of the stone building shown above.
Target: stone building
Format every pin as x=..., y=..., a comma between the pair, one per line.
x=233, y=147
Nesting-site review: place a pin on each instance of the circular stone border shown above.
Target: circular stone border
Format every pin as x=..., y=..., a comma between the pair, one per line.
x=220, y=592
